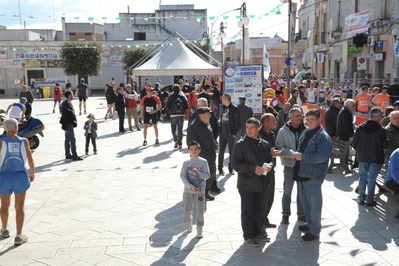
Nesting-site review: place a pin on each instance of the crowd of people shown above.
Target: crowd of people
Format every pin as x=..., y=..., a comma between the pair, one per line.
x=301, y=137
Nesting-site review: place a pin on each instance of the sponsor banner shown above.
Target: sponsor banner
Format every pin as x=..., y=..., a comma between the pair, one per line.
x=116, y=60
x=38, y=53
x=356, y=23
x=14, y=64
x=43, y=82
x=245, y=81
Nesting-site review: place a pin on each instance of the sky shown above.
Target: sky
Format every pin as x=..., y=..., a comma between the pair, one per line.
x=46, y=14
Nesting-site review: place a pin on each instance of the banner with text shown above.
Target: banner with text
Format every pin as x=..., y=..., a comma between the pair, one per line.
x=37, y=53
x=356, y=23
x=14, y=64
x=48, y=82
x=245, y=81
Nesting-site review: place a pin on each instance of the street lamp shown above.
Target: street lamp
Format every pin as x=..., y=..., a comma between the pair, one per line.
x=242, y=23
x=222, y=35
x=205, y=38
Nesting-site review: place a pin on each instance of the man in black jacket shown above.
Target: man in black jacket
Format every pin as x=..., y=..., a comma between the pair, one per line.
x=213, y=122
x=176, y=106
x=68, y=122
x=345, y=129
x=229, y=125
x=370, y=140
x=252, y=159
x=120, y=108
x=246, y=113
x=200, y=131
x=331, y=117
x=205, y=94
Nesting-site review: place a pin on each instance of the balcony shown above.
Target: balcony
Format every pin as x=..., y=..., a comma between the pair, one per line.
x=300, y=40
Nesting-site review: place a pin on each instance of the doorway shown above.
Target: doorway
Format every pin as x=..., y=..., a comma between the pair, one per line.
x=34, y=74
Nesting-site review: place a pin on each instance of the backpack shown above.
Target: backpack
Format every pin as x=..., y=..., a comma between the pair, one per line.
x=177, y=107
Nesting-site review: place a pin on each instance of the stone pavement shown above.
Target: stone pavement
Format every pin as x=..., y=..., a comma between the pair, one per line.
x=123, y=207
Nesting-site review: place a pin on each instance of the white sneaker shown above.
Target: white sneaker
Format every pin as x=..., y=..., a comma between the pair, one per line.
x=199, y=232
x=189, y=227
x=19, y=240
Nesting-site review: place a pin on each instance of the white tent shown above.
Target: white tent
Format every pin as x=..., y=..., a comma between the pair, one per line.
x=176, y=59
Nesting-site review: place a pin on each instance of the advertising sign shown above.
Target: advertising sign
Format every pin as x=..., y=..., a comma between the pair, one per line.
x=15, y=64
x=116, y=60
x=356, y=23
x=245, y=81
x=49, y=81
x=37, y=53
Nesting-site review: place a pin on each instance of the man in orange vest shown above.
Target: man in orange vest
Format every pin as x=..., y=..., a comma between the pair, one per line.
x=363, y=101
x=382, y=100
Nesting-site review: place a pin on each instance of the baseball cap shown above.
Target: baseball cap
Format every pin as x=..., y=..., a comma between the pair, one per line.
x=396, y=103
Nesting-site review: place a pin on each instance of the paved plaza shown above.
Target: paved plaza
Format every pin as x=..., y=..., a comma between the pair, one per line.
x=123, y=207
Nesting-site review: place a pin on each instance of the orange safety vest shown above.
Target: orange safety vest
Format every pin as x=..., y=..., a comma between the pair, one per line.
x=383, y=101
x=363, y=102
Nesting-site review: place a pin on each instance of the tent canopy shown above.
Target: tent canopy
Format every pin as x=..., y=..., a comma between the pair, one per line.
x=176, y=59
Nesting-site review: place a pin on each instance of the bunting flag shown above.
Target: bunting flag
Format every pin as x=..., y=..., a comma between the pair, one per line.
x=225, y=17
x=16, y=15
x=31, y=16
x=90, y=18
x=198, y=18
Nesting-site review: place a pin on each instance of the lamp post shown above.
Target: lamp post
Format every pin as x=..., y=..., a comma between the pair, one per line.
x=242, y=23
x=205, y=41
x=222, y=35
x=395, y=33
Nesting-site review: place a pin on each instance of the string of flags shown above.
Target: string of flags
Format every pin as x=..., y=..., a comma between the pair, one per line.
x=106, y=20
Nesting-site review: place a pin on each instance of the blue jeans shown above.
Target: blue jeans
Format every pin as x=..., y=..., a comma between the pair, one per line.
x=367, y=175
x=177, y=121
x=312, y=203
x=70, y=142
x=251, y=212
x=287, y=188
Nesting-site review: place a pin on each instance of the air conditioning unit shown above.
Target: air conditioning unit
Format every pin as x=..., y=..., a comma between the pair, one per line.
x=370, y=41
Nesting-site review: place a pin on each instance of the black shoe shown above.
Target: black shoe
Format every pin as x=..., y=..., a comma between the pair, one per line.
x=231, y=172
x=68, y=157
x=371, y=204
x=302, y=218
x=77, y=158
x=303, y=228
x=215, y=189
x=309, y=237
x=285, y=219
x=221, y=172
x=138, y=129
x=360, y=202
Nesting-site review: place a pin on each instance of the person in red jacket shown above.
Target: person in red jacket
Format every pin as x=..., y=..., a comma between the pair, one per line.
x=131, y=98
x=191, y=101
x=57, y=92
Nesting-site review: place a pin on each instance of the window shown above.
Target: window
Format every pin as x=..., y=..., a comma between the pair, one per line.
x=72, y=34
x=139, y=36
x=87, y=34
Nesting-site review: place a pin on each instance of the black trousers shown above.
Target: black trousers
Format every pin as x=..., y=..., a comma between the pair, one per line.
x=121, y=114
x=224, y=140
x=93, y=142
x=268, y=200
x=251, y=213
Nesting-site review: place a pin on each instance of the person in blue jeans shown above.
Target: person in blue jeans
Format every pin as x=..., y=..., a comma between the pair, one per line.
x=288, y=140
x=370, y=140
x=69, y=122
x=177, y=105
x=312, y=158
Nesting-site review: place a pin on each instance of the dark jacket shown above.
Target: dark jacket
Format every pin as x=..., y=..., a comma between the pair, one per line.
x=206, y=96
x=246, y=112
x=345, y=124
x=393, y=139
x=213, y=122
x=370, y=140
x=282, y=118
x=270, y=138
x=234, y=118
x=67, y=115
x=203, y=134
x=330, y=120
x=28, y=95
x=172, y=98
x=248, y=153
x=119, y=103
